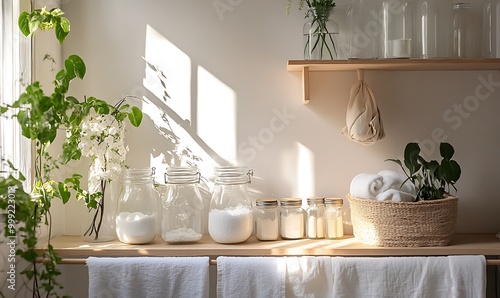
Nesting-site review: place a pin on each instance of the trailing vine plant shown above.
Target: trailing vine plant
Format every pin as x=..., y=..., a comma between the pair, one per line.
x=40, y=117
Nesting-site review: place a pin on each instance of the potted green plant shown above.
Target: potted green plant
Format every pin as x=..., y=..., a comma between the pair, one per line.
x=429, y=220
x=320, y=31
x=41, y=118
x=432, y=179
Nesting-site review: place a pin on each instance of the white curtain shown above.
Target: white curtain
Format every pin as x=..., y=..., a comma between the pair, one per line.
x=15, y=75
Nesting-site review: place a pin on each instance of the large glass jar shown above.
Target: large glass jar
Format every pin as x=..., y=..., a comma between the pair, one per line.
x=137, y=219
x=182, y=206
x=363, y=30
x=463, y=30
x=321, y=33
x=230, y=219
x=397, y=29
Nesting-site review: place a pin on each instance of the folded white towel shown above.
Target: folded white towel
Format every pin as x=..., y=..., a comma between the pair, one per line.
x=392, y=179
x=366, y=186
x=468, y=274
x=250, y=277
x=309, y=276
x=409, y=277
x=148, y=277
x=395, y=196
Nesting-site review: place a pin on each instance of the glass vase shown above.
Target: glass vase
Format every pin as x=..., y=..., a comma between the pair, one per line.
x=99, y=224
x=320, y=35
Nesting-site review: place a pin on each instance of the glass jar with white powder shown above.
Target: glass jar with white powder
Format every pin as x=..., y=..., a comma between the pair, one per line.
x=266, y=219
x=182, y=206
x=230, y=218
x=334, y=218
x=315, y=217
x=137, y=219
x=291, y=218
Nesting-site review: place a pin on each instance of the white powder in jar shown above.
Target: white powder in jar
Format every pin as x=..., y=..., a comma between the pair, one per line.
x=232, y=225
x=315, y=227
x=292, y=226
x=181, y=235
x=136, y=227
x=266, y=229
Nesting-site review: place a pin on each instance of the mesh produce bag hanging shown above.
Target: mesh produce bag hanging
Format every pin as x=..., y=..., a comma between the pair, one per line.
x=363, y=122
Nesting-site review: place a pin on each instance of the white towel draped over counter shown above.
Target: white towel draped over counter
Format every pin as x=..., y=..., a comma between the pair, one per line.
x=176, y=277
x=352, y=277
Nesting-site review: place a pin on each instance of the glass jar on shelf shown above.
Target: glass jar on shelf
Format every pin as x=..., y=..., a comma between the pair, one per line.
x=397, y=29
x=315, y=217
x=230, y=218
x=491, y=29
x=363, y=30
x=182, y=206
x=137, y=210
x=291, y=218
x=266, y=219
x=334, y=218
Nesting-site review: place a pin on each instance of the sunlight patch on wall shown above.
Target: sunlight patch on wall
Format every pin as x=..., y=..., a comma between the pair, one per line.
x=305, y=172
x=168, y=71
x=216, y=122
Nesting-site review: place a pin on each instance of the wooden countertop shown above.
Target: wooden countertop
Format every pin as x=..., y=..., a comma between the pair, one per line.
x=462, y=244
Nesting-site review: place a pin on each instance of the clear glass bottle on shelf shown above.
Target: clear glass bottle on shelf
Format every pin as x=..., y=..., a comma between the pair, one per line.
x=426, y=28
x=182, y=206
x=397, y=29
x=491, y=29
x=291, y=218
x=363, y=30
x=266, y=219
x=334, y=218
x=463, y=33
x=230, y=218
x=321, y=35
x=315, y=217
x=137, y=210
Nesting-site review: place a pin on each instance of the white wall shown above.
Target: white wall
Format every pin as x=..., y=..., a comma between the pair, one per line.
x=226, y=74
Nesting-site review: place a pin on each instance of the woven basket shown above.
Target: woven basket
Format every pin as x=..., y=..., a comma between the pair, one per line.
x=404, y=224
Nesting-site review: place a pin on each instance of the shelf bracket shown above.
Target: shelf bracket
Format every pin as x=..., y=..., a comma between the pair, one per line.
x=305, y=85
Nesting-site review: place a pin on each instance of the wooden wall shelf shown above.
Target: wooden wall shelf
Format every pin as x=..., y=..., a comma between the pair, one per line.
x=71, y=247
x=437, y=64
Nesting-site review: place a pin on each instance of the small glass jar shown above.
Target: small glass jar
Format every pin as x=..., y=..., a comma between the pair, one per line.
x=334, y=218
x=291, y=218
x=182, y=206
x=137, y=219
x=266, y=219
x=315, y=217
x=230, y=219
x=321, y=33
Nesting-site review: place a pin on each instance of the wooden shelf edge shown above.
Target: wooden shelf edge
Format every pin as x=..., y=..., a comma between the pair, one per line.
x=434, y=64
x=462, y=244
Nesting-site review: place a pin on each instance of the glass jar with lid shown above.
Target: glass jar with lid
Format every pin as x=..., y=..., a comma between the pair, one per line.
x=334, y=218
x=315, y=217
x=182, y=206
x=137, y=210
x=230, y=218
x=266, y=219
x=291, y=218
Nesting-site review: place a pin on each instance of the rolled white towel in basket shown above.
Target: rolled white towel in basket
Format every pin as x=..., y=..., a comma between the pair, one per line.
x=365, y=185
x=395, y=196
x=392, y=179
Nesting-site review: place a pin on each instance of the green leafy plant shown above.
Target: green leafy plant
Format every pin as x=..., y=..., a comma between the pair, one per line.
x=432, y=179
x=41, y=117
